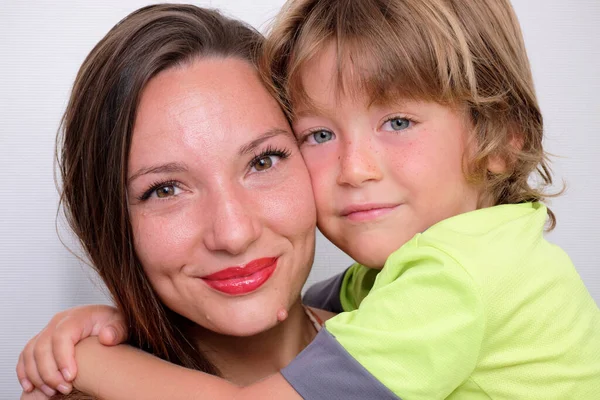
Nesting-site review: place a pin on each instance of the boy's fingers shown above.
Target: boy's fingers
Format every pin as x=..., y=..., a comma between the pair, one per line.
x=46, y=366
x=35, y=395
x=22, y=376
x=79, y=324
x=31, y=371
x=48, y=360
x=109, y=326
x=115, y=332
x=67, y=334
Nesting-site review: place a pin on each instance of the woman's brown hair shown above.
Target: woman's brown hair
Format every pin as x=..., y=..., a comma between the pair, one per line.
x=93, y=147
x=464, y=53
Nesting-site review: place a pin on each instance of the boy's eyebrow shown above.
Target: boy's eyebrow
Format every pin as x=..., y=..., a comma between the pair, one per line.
x=251, y=146
x=306, y=112
x=158, y=169
x=311, y=109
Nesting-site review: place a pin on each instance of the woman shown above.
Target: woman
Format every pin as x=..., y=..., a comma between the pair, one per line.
x=183, y=182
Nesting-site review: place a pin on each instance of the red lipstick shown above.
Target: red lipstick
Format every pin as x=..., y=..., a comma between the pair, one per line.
x=367, y=212
x=242, y=279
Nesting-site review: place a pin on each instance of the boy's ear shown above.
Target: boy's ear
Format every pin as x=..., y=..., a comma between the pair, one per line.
x=499, y=162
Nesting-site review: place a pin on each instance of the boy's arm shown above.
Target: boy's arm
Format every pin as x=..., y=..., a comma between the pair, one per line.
x=124, y=372
x=418, y=332
x=342, y=292
x=417, y=335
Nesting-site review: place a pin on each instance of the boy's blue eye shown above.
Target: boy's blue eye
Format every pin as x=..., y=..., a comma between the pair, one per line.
x=322, y=136
x=398, y=124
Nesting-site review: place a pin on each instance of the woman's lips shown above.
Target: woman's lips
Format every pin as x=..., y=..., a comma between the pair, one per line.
x=242, y=279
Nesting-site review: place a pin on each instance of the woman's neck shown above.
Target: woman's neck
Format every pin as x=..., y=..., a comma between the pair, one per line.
x=245, y=360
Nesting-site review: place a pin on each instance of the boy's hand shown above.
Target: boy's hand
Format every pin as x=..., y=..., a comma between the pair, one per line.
x=48, y=360
x=34, y=395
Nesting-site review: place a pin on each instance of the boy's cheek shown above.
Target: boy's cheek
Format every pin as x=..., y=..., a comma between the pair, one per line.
x=322, y=169
x=329, y=221
x=322, y=165
x=323, y=189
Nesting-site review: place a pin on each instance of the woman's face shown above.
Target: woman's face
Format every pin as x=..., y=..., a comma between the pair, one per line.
x=220, y=199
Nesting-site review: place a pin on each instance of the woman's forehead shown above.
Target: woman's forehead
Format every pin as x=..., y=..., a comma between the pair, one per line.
x=209, y=106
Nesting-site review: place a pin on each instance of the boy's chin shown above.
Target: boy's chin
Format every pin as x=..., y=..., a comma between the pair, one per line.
x=368, y=259
x=372, y=253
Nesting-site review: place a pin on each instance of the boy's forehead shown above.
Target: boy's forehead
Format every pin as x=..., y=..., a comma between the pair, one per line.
x=319, y=76
x=324, y=86
x=331, y=78
x=320, y=95
x=348, y=68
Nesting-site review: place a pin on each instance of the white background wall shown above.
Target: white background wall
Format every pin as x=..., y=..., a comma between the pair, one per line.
x=42, y=44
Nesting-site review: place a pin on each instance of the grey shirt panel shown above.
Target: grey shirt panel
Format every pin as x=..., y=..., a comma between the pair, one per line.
x=325, y=370
x=326, y=294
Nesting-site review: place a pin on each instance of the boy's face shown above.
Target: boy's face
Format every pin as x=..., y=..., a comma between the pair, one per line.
x=380, y=174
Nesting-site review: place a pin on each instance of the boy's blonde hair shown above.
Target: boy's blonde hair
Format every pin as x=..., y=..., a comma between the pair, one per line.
x=464, y=53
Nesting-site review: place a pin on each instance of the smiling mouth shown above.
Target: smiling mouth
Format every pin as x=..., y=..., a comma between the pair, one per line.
x=244, y=279
x=367, y=212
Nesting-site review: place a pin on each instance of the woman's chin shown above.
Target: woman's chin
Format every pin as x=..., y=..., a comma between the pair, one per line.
x=244, y=324
x=244, y=317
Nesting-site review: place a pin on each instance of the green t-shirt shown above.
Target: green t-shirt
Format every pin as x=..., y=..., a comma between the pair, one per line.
x=479, y=306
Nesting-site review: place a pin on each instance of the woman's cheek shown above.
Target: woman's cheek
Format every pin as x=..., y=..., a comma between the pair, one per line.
x=161, y=240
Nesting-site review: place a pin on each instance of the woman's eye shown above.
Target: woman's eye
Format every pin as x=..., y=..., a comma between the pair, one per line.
x=166, y=191
x=397, y=124
x=321, y=136
x=264, y=163
x=268, y=158
x=161, y=190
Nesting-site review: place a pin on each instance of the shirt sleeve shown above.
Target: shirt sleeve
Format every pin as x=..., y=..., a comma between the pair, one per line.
x=325, y=294
x=356, y=285
x=418, y=332
x=342, y=292
x=324, y=370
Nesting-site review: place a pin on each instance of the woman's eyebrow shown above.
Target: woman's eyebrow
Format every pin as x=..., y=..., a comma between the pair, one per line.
x=159, y=169
x=251, y=146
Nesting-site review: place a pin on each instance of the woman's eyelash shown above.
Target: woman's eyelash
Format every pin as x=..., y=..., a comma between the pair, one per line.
x=270, y=151
x=157, y=185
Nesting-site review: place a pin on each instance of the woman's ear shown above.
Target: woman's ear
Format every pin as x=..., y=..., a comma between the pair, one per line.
x=499, y=162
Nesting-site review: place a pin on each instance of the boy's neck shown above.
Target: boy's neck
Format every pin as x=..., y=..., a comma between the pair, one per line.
x=245, y=360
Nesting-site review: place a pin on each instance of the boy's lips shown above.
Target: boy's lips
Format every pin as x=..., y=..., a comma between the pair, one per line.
x=367, y=212
x=242, y=279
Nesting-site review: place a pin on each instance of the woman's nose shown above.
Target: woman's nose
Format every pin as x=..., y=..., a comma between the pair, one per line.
x=234, y=224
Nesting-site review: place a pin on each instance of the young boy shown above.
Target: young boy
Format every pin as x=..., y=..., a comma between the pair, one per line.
x=419, y=125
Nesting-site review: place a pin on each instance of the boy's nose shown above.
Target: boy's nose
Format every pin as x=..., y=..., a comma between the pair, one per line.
x=234, y=226
x=358, y=164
